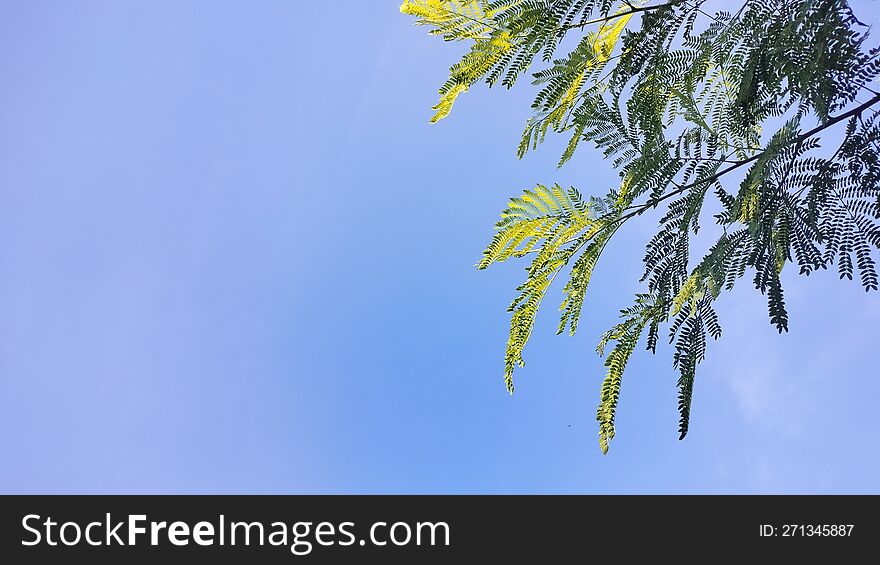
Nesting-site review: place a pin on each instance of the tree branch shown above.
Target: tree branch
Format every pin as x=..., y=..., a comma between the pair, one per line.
x=632, y=10
x=712, y=178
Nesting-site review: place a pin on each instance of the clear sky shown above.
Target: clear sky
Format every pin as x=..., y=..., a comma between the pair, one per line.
x=236, y=258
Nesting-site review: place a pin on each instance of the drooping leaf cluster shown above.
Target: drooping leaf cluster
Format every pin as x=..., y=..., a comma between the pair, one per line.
x=690, y=105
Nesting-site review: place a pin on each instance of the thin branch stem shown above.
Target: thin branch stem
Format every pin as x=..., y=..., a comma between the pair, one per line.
x=632, y=10
x=869, y=89
x=712, y=178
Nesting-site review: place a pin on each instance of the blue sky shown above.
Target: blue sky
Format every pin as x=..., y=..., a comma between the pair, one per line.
x=236, y=258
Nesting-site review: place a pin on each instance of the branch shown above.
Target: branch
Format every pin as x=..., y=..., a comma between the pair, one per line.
x=632, y=10
x=712, y=178
x=637, y=210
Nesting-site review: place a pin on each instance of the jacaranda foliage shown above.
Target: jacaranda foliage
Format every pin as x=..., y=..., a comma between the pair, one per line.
x=767, y=110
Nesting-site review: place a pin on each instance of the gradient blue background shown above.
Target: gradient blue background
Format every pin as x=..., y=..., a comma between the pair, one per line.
x=235, y=258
